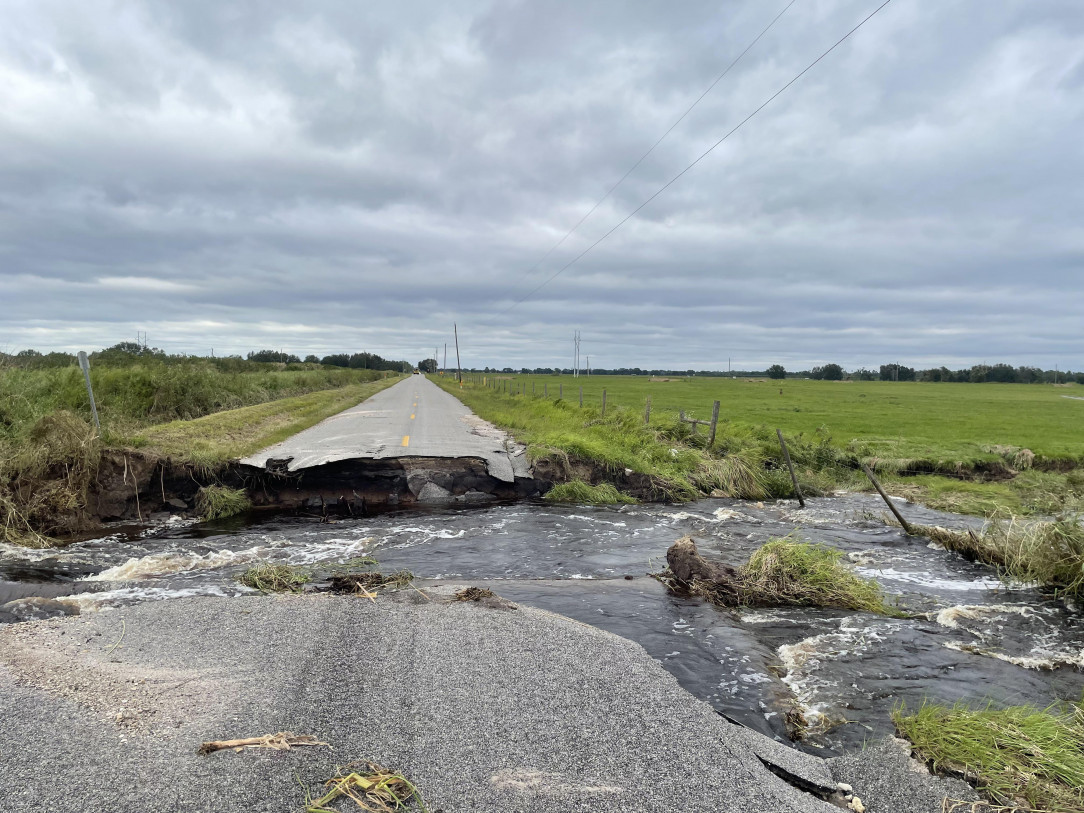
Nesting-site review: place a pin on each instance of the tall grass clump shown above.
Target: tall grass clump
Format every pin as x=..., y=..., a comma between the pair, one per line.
x=218, y=502
x=1050, y=553
x=1021, y=756
x=577, y=491
x=784, y=571
x=45, y=477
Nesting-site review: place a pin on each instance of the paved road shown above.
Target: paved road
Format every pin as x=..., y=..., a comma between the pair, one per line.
x=414, y=418
x=489, y=711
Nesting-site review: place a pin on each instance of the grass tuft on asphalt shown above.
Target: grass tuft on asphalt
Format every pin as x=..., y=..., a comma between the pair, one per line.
x=1020, y=756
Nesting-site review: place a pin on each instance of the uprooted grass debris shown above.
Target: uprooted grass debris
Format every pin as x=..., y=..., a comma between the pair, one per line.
x=219, y=502
x=369, y=582
x=372, y=788
x=273, y=578
x=1021, y=756
x=1050, y=553
x=782, y=572
x=474, y=594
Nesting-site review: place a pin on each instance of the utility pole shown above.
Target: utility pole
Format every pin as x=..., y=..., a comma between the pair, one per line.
x=576, y=354
x=458, y=364
x=588, y=366
x=444, y=369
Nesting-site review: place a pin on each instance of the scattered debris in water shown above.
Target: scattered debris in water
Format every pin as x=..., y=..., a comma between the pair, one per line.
x=366, y=583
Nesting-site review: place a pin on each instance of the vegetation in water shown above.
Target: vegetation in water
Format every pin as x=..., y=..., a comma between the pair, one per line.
x=786, y=572
x=581, y=493
x=218, y=502
x=1047, y=552
x=275, y=578
x=1021, y=757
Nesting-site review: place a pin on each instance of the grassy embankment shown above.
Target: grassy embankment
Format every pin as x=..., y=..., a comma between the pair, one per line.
x=1021, y=758
x=968, y=448
x=195, y=413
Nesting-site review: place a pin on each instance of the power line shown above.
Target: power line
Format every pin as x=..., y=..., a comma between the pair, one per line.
x=702, y=156
x=661, y=138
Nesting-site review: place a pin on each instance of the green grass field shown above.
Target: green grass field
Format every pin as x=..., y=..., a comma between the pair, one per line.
x=897, y=420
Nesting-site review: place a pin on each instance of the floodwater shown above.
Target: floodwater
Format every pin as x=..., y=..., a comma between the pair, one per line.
x=974, y=639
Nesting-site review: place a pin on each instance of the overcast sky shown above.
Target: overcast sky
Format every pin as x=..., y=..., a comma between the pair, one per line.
x=340, y=176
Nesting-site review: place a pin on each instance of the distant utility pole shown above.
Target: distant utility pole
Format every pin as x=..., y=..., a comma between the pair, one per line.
x=458, y=364
x=141, y=338
x=444, y=369
x=588, y=366
x=576, y=354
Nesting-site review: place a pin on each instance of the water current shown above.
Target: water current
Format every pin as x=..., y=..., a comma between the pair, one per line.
x=972, y=639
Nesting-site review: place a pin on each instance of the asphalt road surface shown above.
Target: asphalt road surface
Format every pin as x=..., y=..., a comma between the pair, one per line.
x=414, y=418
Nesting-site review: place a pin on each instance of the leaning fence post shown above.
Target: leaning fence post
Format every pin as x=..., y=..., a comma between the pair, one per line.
x=581, y=397
x=786, y=456
x=84, y=364
x=714, y=423
x=604, y=403
x=545, y=390
x=647, y=411
x=561, y=391
x=903, y=523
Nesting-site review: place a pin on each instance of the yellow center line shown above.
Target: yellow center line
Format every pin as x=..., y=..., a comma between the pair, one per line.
x=411, y=416
x=406, y=440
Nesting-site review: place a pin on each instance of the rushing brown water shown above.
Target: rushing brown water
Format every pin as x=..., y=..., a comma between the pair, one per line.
x=974, y=639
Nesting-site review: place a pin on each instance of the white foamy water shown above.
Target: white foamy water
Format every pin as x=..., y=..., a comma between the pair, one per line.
x=930, y=581
x=951, y=616
x=1039, y=658
x=91, y=602
x=803, y=659
x=170, y=562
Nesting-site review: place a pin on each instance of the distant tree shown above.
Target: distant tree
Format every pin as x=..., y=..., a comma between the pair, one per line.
x=777, y=371
x=311, y=359
x=428, y=365
x=273, y=356
x=862, y=374
x=336, y=360
x=832, y=372
x=897, y=372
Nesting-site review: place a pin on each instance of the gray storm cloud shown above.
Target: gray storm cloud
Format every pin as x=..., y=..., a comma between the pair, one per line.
x=335, y=176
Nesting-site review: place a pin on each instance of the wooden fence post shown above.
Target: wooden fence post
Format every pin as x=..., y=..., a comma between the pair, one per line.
x=545, y=390
x=714, y=423
x=647, y=411
x=561, y=391
x=786, y=456
x=903, y=523
x=604, y=403
x=581, y=397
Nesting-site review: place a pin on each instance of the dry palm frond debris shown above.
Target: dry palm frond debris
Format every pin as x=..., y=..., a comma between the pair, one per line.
x=282, y=741
x=374, y=788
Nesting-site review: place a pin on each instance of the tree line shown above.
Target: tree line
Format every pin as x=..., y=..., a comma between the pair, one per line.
x=1002, y=373
x=126, y=353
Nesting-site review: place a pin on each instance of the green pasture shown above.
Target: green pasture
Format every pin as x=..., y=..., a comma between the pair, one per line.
x=899, y=420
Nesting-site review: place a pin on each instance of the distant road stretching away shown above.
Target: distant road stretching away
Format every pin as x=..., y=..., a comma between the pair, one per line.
x=414, y=418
